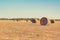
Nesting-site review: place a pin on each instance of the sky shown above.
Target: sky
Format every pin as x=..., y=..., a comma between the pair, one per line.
x=30, y=8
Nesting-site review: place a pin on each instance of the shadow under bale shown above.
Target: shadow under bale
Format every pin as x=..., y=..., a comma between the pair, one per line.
x=33, y=20
x=43, y=21
x=52, y=21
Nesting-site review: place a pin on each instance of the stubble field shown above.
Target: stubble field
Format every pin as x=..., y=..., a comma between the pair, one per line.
x=21, y=30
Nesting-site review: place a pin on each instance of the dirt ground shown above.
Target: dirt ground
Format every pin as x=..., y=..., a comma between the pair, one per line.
x=13, y=30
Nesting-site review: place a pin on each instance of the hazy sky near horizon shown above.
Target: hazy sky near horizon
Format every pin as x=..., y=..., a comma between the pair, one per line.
x=29, y=8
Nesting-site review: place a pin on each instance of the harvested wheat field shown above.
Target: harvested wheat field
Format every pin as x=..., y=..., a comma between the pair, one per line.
x=22, y=30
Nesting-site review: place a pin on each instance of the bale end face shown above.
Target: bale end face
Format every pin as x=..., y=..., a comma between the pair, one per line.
x=52, y=21
x=33, y=20
x=43, y=21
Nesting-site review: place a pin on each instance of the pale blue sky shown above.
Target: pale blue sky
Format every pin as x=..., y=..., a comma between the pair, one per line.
x=29, y=8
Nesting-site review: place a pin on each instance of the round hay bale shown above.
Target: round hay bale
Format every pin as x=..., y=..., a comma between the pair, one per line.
x=43, y=21
x=52, y=21
x=33, y=20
